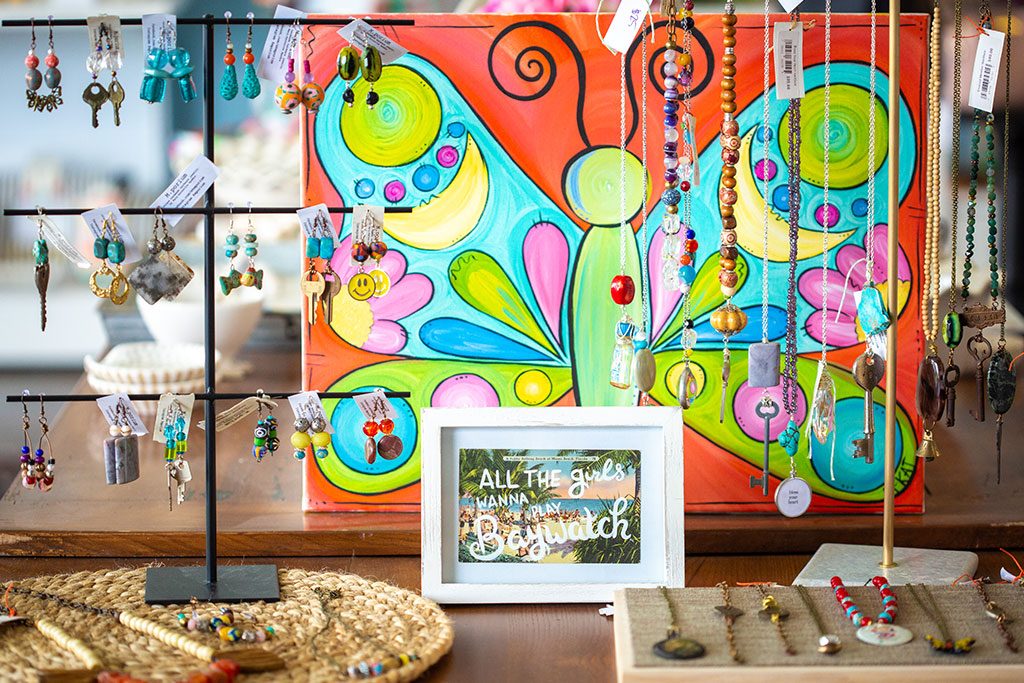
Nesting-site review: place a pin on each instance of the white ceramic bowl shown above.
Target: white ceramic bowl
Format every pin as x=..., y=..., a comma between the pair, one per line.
x=182, y=321
x=148, y=363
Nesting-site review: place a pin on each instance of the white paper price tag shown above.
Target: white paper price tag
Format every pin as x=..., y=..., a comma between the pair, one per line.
x=368, y=213
x=168, y=410
x=105, y=30
x=375, y=405
x=360, y=34
x=308, y=219
x=118, y=409
x=789, y=61
x=628, y=20
x=238, y=412
x=790, y=5
x=94, y=218
x=187, y=189
x=55, y=238
x=308, y=405
x=986, y=69
x=159, y=30
x=282, y=39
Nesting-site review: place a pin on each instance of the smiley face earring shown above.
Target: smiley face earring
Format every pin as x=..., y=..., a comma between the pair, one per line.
x=361, y=285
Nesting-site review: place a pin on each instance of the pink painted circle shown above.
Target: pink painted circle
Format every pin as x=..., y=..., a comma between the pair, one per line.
x=394, y=191
x=760, y=167
x=447, y=156
x=744, y=405
x=464, y=391
x=833, y=215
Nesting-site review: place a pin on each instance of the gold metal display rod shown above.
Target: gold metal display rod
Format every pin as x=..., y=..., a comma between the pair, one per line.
x=889, y=487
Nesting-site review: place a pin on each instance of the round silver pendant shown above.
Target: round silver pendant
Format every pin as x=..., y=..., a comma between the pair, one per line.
x=793, y=497
x=885, y=635
x=677, y=647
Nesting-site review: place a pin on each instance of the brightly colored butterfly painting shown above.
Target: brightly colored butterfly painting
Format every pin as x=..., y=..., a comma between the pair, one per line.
x=502, y=132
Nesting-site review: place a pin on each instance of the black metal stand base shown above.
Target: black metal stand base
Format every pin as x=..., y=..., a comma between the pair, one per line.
x=235, y=583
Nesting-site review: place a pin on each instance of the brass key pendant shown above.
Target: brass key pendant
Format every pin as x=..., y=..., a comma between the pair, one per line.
x=115, y=93
x=980, y=350
x=312, y=287
x=95, y=95
x=332, y=288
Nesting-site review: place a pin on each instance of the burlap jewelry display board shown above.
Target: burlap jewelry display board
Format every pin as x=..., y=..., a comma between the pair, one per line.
x=363, y=620
x=642, y=618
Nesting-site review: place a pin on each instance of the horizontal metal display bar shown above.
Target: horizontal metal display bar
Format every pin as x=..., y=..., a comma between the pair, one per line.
x=215, y=396
x=196, y=210
x=215, y=21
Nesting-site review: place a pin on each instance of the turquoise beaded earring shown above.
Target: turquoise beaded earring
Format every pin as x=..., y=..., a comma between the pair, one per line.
x=250, y=81
x=249, y=244
x=229, y=80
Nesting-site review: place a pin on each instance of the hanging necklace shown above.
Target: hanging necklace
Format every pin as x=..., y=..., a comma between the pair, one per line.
x=880, y=631
x=997, y=614
x=730, y=613
x=772, y=611
x=728, y=319
x=763, y=358
x=952, y=330
x=821, y=420
x=1002, y=378
x=793, y=496
x=931, y=385
x=675, y=646
x=644, y=368
x=622, y=288
x=946, y=643
x=828, y=643
x=869, y=367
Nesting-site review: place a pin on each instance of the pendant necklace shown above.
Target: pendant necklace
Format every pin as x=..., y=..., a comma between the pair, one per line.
x=772, y=611
x=821, y=419
x=946, y=643
x=997, y=614
x=728, y=319
x=952, y=330
x=793, y=496
x=979, y=316
x=763, y=358
x=675, y=646
x=678, y=255
x=828, y=643
x=880, y=631
x=931, y=384
x=1002, y=377
x=729, y=613
x=644, y=369
x=622, y=288
x=869, y=367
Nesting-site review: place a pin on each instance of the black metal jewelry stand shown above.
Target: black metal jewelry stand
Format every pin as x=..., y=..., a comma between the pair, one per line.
x=234, y=583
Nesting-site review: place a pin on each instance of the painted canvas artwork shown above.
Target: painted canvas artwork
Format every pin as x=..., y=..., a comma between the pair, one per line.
x=549, y=506
x=509, y=159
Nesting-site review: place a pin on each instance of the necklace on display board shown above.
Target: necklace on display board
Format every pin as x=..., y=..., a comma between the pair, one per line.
x=674, y=645
x=880, y=631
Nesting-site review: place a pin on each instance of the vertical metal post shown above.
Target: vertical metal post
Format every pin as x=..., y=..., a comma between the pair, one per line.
x=889, y=487
x=209, y=291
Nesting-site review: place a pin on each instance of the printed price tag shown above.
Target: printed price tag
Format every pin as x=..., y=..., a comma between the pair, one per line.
x=282, y=39
x=368, y=213
x=159, y=30
x=308, y=405
x=627, y=22
x=94, y=219
x=118, y=409
x=986, y=69
x=375, y=405
x=55, y=238
x=360, y=34
x=308, y=219
x=105, y=30
x=790, y=5
x=789, y=61
x=238, y=412
x=188, y=188
x=168, y=410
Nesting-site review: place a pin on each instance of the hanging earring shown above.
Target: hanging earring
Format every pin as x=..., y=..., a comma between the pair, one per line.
x=251, y=277
x=321, y=439
x=33, y=77
x=332, y=283
x=34, y=80
x=233, y=280
x=154, y=78
x=312, y=93
x=41, y=254
x=28, y=479
x=287, y=97
x=381, y=280
x=175, y=448
x=390, y=446
x=229, y=79
x=95, y=95
x=250, y=81
x=109, y=249
x=161, y=275
x=300, y=438
x=348, y=69
x=371, y=428
x=181, y=62
x=361, y=286
x=115, y=91
x=264, y=435
x=372, y=70
x=116, y=255
x=121, y=450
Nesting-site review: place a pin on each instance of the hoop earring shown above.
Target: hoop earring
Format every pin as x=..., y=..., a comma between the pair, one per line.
x=229, y=79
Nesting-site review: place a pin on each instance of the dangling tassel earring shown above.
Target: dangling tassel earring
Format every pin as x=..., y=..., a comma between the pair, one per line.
x=229, y=80
x=250, y=81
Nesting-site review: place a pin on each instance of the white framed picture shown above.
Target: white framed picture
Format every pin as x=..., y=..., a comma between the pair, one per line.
x=524, y=505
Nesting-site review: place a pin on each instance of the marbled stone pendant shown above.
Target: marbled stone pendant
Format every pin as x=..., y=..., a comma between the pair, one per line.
x=763, y=365
x=931, y=390
x=160, y=276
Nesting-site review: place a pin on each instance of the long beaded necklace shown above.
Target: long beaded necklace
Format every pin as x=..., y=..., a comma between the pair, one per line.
x=931, y=386
x=644, y=368
x=728, y=319
x=880, y=631
x=763, y=358
x=952, y=329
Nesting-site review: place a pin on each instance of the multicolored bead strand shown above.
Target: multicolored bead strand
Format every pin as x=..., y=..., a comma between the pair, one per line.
x=852, y=611
x=622, y=288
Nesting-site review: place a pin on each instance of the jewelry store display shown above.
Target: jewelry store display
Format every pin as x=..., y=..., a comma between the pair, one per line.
x=828, y=643
x=675, y=646
x=878, y=631
x=730, y=613
x=772, y=611
x=945, y=644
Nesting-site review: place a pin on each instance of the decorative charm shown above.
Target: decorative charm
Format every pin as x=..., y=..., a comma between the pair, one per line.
x=250, y=81
x=931, y=402
x=109, y=249
x=1002, y=387
x=162, y=274
x=264, y=435
x=880, y=631
x=952, y=328
x=828, y=643
x=121, y=450
x=868, y=371
x=312, y=93
x=41, y=274
x=675, y=646
x=997, y=614
x=229, y=79
x=301, y=439
x=945, y=644
x=321, y=439
x=288, y=97
x=34, y=79
x=250, y=245
x=730, y=613
x=175, y=448
x=95, y=95
x=772, y=611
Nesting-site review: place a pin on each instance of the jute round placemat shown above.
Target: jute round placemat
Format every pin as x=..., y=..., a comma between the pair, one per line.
x=324, y=623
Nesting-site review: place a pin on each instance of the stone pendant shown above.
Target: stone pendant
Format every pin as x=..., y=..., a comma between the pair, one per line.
x=121, y=459
x=763, y=365
x=160, y=276
x=931, y=390
x=644, y=370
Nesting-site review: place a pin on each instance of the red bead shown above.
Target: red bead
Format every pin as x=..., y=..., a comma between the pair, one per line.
x=684, y=186
x=378, y=249
x=690, y=246
x=836, y=581
x=878, y=581
x=31, y=61
x=864, y=621
x=51, y=60
x=387, y=426
x=248, y=58
x=229, y=58
x=227, y=666
x=623, y=290
x=370, y=428
x=685, y=260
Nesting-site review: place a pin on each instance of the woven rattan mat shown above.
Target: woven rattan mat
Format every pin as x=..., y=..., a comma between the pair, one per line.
x=316, y=644
x=759, y=644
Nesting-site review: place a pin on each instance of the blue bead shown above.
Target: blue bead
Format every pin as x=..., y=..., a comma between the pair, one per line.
x=312, y=247
x=232, y=238
x=671, y=121
x=250, y=82
x=691, y=234
x=250, y=251
x=687, y=274
x=670, y=107
x=39, y=451
x=229, y=83
x=25, y=450
x=671, y=196
x=300, y=455
x=231, y=253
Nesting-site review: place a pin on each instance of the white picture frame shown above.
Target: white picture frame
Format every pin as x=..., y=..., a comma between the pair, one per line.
x=656, y=432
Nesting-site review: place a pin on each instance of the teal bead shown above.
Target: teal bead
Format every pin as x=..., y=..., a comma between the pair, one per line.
x=229, y=83
x=99, y=247
x=41, y=252
x=232, y=238
x=250, y=251
x=157, y=59
x=116, y=252
x=153, y=89
x=312, y=247
x=187, y=88
x=250, y=237
x=179, y=57
x=250, y=83
x=326, y=247
x=231, y=253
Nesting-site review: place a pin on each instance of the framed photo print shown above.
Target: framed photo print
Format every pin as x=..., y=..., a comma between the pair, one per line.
x=550, y=504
